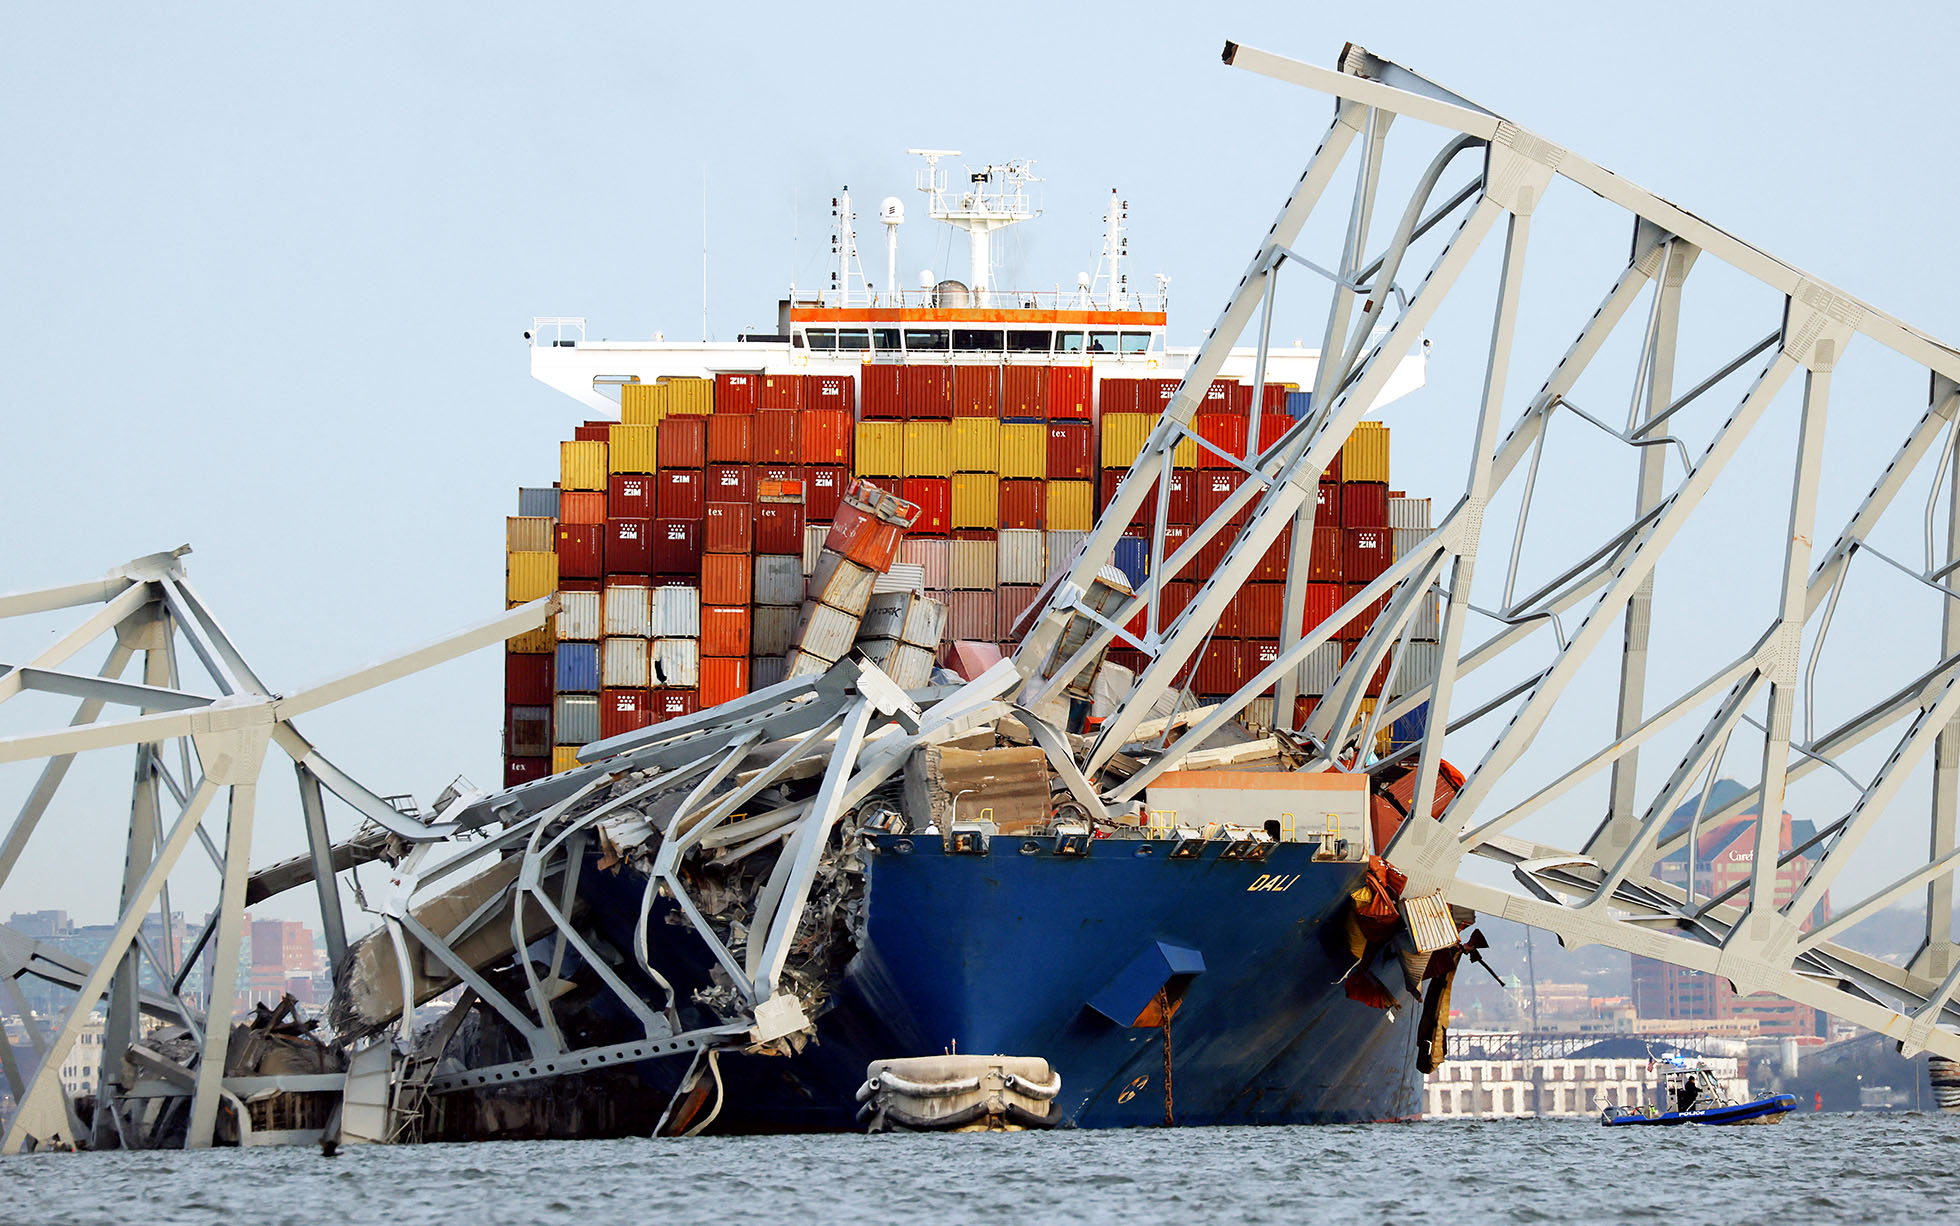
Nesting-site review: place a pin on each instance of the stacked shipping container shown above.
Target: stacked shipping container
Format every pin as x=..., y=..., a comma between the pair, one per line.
x=682, y=537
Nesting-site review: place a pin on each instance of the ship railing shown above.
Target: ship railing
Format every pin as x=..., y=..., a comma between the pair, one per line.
x=995, y=300
x=566, y=331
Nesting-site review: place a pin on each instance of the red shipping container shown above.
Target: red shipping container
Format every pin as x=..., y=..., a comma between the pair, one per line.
x=725, y=630
x=628, y=496
x=934, y=498
x=1071, y=450
x=731, y=438
x=774, y=472
x=1325, y=564
x=926, y=391
x=735, y=393
x=976, y=391
x=1333, y=470
x=677, y=547
x=672, y=704
x=730, y=483
x=881, y=394
x=864, y=539
x=582, y=506
x=775, y=436
x=1365, y=552
x=629, y=546
x=525, y=770
x=1322, y=600
x=779, y=528
x=835, y=393
x=623, y=711
x=779, y=392
x=1254, y=656
x=723, y=679
x=581, y=551
x=1145, y=517
x=1254, y=612
x=1272, y=426
x=823, y=491
x=1327, y=506
x=680, y=493
x=1228, y=396
x=726, y=578
x=1224, y=431
x=824, y=436
x=527, y=680
x=1212, y=555
x=1359, y=623
x=1024, y=393
x=1183, y=506
x=1364, y=504
x=1164, y=390
x=1069, y=393
x=729, y=528
x=1217, y=673
x=1272, y=399
x=1272, y=566
x=1120, y=395
x=682, y=442
x=593, y=432
x=1215, y=486
x=1174, y=537
x=1022, y=503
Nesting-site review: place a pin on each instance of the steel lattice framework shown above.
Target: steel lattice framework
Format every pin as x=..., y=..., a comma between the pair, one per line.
x=1602, y=885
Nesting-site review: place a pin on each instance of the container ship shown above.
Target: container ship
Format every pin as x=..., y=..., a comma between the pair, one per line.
x=892, y=477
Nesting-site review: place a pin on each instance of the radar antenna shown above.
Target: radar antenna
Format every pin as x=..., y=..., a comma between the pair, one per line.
x=993, y=198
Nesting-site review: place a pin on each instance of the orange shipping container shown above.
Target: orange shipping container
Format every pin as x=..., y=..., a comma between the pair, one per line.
x=1069, y=391
x=881, y=393
x=1023, y=391
x=837, y=392
x=726, y=578
x=731, y=438
x=1023, y=504
x=683, y=442
x=723, y=680
x=581, y=507
x=927, y=391
x=735, y=393
x=779, y=392
x=775, y=436
x=724, y=632
x=976, y=391
x=825, y=436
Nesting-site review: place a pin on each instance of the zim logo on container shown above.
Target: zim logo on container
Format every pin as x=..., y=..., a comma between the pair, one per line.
x=1272, y=883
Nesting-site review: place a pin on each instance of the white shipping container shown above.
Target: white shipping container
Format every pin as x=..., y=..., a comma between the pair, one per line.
x=1023, y=556
x=1407, y=539
x=1323, y=664
x=1408, y=513
x=677, y=663
x=1417, y=669
x=902, y=577
x=934, y=557
x=677, y=613
x=974, y=568
x=911, y=617
x=909, y=667
x=842, y=584
x=629, y=611
x=1258, y=716
x=576, y=719
x=765, y=671
x=624, y=664
x=803, y=664
x=772, y=628
x=578, y=616
x=814, y=536
x=778, y=580
x=1428, y=618
x=1061, y=551
x=824, y=631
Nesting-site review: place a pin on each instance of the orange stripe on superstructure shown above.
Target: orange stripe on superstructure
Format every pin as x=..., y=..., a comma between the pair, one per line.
x=999, y=315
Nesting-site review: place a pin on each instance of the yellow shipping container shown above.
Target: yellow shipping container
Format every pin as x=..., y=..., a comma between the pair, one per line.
x=976, y=445
x=631, y=449
x=976, y=500
x=529, y=534
x=1365, y=457
x=564, y=758
x=880, y=449
x=926, y=453
x=643, y=404
x=1123, y=437
x=1024, y=451
x=531, y=573
x=540, y=642
x=1071, y=506
x=690, y=396
x=582, y=465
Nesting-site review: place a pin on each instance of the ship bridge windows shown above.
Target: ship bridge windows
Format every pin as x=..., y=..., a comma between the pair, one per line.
x=828, y=340
x=1029, y=340
x=921, y=340
x=1069, y=342
x=885, y=339
x=981, y=340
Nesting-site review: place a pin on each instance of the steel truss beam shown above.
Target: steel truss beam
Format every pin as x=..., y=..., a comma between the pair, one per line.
x=1610, y=889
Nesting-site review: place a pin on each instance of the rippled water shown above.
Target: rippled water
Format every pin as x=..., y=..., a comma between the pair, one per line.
x=1829, y=1168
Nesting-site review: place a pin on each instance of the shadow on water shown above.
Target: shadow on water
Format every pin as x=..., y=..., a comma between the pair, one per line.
x=1837, y=1168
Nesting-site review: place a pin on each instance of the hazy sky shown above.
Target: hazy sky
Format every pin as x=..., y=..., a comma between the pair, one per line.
x=266, y=269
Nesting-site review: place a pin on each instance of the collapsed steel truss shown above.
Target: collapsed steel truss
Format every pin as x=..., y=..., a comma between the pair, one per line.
x=1603, y=887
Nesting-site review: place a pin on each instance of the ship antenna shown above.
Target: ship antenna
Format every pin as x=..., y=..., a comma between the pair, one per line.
x=994, y=198
x=1109, y=265
x=704, y=253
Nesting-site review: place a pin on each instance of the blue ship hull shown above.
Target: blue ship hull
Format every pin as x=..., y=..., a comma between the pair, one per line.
x=1029, y=953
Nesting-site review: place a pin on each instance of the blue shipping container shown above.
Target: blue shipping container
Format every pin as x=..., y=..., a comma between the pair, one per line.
x=538, y=502
x=1133, y=558
x=1411, y=727
x=578, y=668
x=1298, y=404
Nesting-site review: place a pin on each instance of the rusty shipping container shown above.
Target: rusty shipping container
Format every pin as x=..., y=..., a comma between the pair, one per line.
x=527, y=680
x=725, y=578
x=1327, y=562
x=1364, y=504
x=582, y=507
x=831, y=394
x=731, y=438
x=1365, y=552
